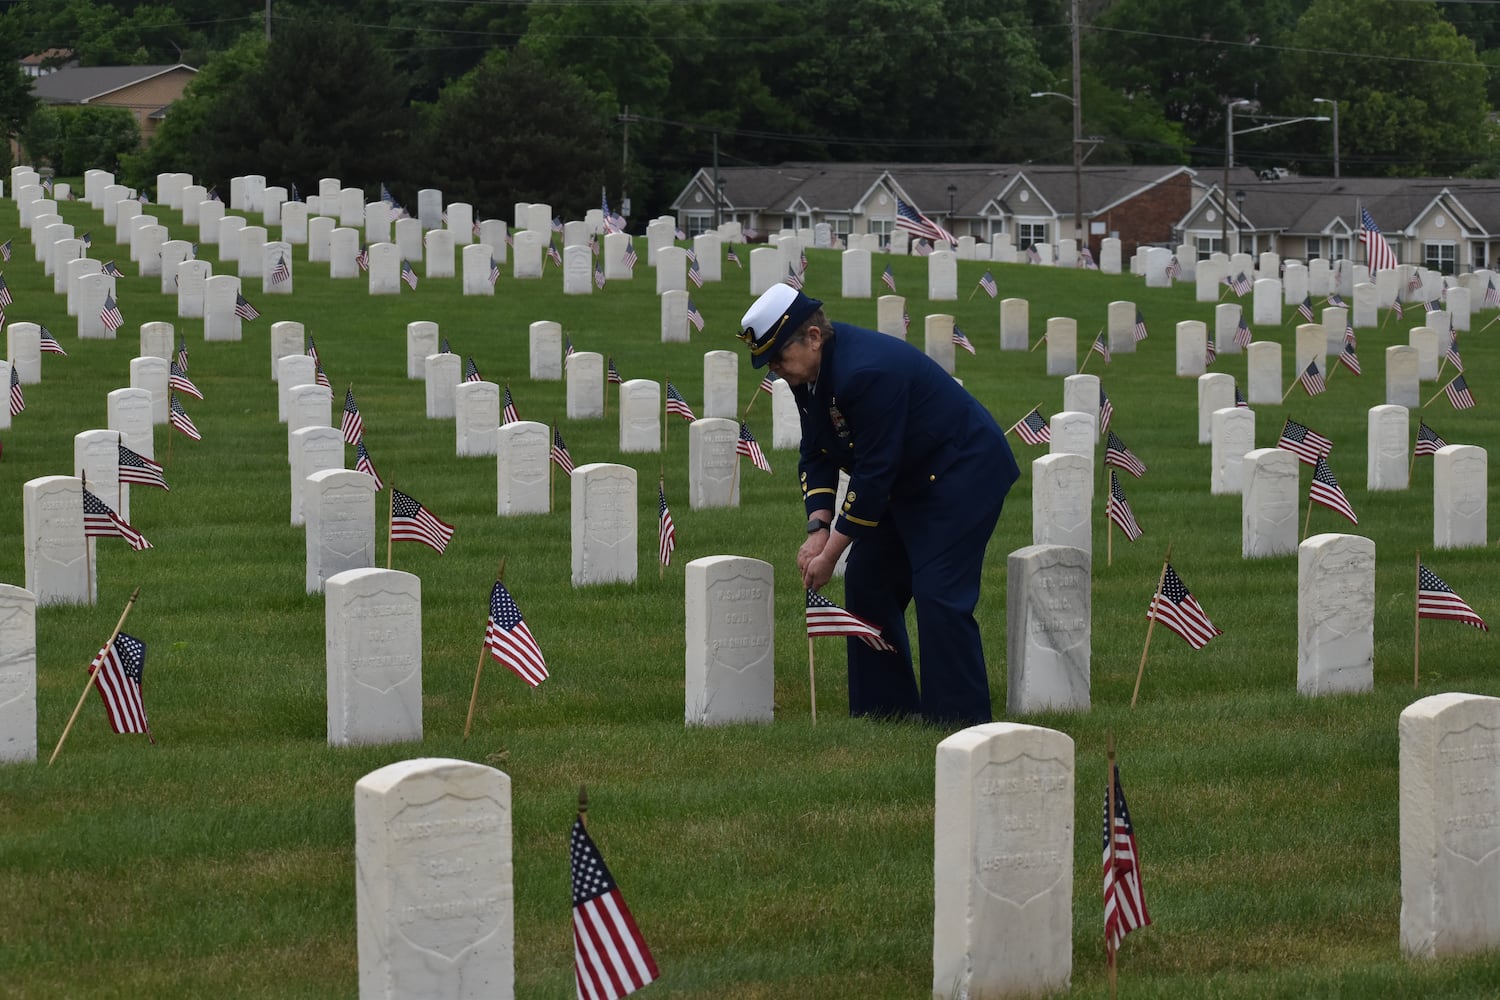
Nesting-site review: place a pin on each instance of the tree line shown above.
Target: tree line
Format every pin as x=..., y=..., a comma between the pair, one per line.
x=497, y=102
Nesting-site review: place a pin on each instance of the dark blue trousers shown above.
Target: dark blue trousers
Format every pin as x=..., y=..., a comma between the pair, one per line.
x=932, y=552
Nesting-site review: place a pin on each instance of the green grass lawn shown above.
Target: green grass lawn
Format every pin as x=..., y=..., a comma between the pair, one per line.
x=761, y=861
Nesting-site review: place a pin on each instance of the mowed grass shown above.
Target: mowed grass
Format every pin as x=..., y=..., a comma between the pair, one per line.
x=762, y=861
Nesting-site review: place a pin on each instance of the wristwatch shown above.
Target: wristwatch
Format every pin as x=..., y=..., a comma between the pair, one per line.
x=814, y=525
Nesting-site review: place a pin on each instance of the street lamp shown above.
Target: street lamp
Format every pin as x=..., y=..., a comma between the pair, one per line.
x=1335, y=104
x=1077, y=161
x=1239, y=222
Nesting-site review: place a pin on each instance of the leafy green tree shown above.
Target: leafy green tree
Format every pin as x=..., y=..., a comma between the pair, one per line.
x=41, y=138
x=512, y=129
x=325, y=101
x=96, y=136
x=184, y=133
x=1412, y=98
x=118, y=34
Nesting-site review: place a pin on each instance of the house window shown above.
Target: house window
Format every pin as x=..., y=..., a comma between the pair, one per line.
x=1480, y=253
x=1031, y=233
x=882, y=228
x=1440, y=256
x=1339, y=248
x=838, y=226
x=1314, y=248
x=1208, y=246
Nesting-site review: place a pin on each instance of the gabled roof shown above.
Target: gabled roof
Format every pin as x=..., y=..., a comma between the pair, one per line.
x=82, y=84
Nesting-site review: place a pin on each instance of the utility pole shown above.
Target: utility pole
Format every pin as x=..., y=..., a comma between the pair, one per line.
x=268, y=20
x=1078, y=234
x=626, y=118
x=718, y=204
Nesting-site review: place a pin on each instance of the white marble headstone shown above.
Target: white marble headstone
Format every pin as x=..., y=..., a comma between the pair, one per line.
x=1460, y=498
x=57, y=568
x=604, y=524
x=1049, y=620
x=523, y=459
x=1062, y=497
x=1386, y=466
x=730, y=640
x=339, y=507
x=1335, y=614
x=372, y=624
x=17, y=674
x=1271, y=501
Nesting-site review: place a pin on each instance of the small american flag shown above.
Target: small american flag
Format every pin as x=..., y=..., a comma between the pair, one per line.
x=179, y=419
x=1428, y=441
x=567, y=346
x=676, y=404
x=557, y=224
x=889, y=277
x=112, y=269
x=320, y=377
x=243, y=309
x=363, y=464
x=767, y=384
x=1033, y=428
x=100, y=521
x=610, y=957
x=312, y=350
x=1101, y=346
x=1032, y=256
x=471, y=370
x=599, y=276
x=1335, y=299
x=1304, y=442
x=1435, y=599
x=694, y=316
x=5, y=251
x=1210, y=351
x=352, y=424
x=1349, y=338
x=119, y=670
x=1398, y=309
x=1349, y=359
x=630, y=256
x=679, y=233
x=905, y=320
x=826, y=618
x=553, y=254
x=1242, y=333
x=1491, y=294
x=560, y=454
x=695, y=275
x=1241, y=284
x=747, y=445
x=1086, y=260
x=1325, y=490
x=508, y=414
x=1456, y=390
x=1124, y=900
x=182, y=353
x=961, y=339
x=87, y=240
x=494, y=271
x=137, y=468
x=1452, y=353
x=1312, y=379
x=362, y=257
x=412, y=522
x=1140, y=327
x=509, y=641
x=408, y=274
x=612, y=374
x=802, y=261
x=733, y=258
x=281, y=272
x=987, y=282
x=1377, y=251
x=1117, y=454
x=1305, y=308
x=1118, y=509
x=110, y=314
x=17, y=397
x=1179, y=611
x=1239, y=398
x=1106, y=411
x=177, y=379
x=792, y=277
x=1174, y=268
x=666, y=535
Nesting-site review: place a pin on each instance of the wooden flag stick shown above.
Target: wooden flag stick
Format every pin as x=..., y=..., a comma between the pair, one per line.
x=1109, y=831
x=1088, y=356
x=478, y=671
x=1039, y=342
x=119, y=486
x=93, y=670
x=1416, y=640
x=583, y=804
x=1411, y=466
x=1439, y=392
x=1109, y=539
x=972, y=294
x=1295, y=382
x=552, y=466
x=1308, y=520
x=1489, y=324
x=664, y=419
x=1150, y=625
x=812, y=682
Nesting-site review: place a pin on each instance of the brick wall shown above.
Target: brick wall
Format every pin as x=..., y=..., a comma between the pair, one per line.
x=1148, y=217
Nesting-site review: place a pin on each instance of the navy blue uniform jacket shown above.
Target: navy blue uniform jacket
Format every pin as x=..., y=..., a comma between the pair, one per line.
x=903, y=429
